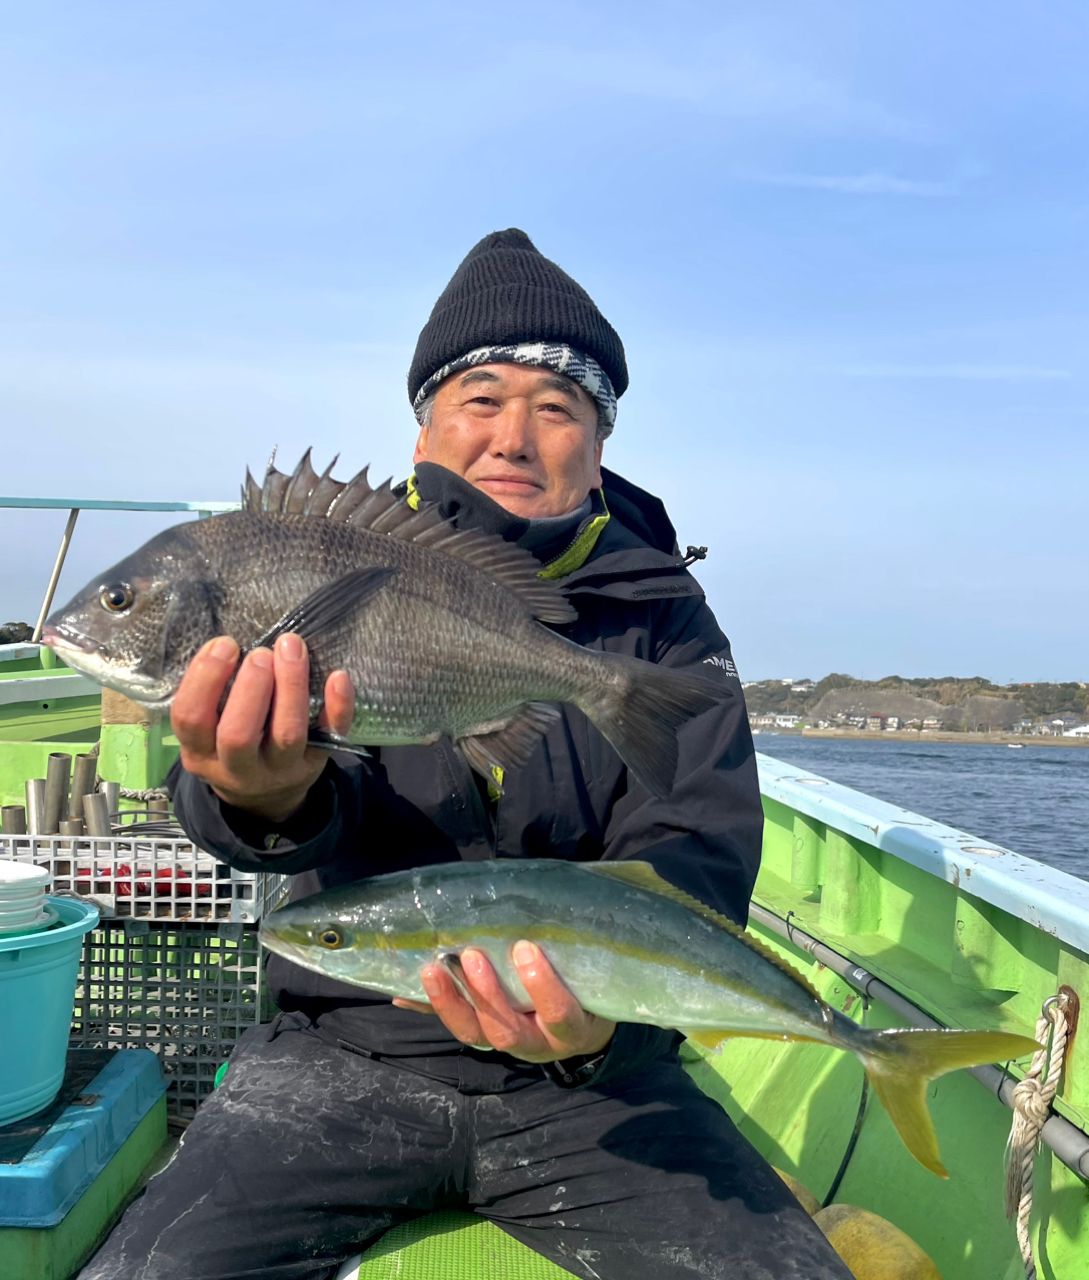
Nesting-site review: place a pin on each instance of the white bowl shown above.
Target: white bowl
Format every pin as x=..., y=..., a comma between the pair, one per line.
x=42, y=920
x=14, y=919
x=19, y=877
x=21, y=894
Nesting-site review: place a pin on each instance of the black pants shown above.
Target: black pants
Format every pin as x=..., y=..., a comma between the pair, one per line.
x=308, y=1152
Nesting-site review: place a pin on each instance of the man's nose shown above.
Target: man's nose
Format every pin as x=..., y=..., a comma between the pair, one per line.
x=513, y=430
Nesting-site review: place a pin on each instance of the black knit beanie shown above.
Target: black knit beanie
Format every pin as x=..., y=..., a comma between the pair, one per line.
x=505, y=292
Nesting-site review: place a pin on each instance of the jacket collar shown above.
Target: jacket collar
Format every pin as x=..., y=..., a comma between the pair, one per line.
x=467, y=507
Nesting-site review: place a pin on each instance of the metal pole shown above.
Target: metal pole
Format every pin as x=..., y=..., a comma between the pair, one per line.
x=57, y=770
x=83, y=783
x=96, y=815
x=14, y=820
x=112, y=792
x=35, y=805
x=54, y=577
x=71, y=827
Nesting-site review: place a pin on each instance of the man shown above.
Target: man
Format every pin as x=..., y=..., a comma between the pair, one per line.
x=349, y=1114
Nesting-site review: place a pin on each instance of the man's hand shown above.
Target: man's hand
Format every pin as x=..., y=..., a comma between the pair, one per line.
x=557, y=1027
x=253, y=753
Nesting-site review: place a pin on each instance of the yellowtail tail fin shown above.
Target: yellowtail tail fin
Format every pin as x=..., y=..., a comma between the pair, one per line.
x=902, y=1062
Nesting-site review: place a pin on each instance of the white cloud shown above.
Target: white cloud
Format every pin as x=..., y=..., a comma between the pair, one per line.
x=872, y=183
x=959, y=372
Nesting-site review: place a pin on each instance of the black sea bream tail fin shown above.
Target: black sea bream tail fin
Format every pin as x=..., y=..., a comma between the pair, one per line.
x=639, y=707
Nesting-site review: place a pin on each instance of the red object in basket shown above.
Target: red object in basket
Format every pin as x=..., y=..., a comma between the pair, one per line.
x=164, y=881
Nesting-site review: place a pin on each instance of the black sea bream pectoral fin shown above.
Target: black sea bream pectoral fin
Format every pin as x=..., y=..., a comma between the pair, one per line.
x=332, y=603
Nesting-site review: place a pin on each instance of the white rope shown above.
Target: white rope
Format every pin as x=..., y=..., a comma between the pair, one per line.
x=1031, y=1107
x=148, y=793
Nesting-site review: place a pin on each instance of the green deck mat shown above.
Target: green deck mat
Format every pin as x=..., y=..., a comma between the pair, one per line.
x=454, y=1246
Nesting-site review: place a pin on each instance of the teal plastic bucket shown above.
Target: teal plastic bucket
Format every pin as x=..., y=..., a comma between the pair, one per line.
x=37, y=991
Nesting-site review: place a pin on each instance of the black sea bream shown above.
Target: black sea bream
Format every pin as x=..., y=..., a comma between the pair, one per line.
x=440, y=629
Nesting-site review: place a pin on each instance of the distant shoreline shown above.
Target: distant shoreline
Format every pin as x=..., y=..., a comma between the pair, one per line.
x=930, y=735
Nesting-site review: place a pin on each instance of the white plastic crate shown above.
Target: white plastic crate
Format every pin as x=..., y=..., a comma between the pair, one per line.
x=185, y=991
x=149, y=877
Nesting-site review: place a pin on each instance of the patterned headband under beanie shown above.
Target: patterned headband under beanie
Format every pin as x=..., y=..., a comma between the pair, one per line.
x=507, y=302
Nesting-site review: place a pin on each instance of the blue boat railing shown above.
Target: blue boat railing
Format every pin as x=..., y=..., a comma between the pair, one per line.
x=1049, y=899
x=74, y=506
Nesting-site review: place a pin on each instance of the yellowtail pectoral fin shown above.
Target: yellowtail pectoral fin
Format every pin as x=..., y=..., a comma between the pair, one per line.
x=902, y=1062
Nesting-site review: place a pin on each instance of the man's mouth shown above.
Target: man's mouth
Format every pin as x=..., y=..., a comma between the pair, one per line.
x=510, y=484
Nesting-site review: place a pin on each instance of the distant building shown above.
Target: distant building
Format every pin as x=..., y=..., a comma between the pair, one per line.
x=931, y=723
x=892, y=723
x=786, y=722
x=873, y=724
x=1078, y=731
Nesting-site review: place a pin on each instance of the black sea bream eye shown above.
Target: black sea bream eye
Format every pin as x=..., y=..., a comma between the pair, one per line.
x=331, y=938
x=117, y=597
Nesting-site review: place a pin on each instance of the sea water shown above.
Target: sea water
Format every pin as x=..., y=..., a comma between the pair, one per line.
x=1034, y=800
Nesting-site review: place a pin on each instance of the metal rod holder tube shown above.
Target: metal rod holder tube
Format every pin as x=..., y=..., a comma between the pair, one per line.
x=71, y=826
x=35, y=806
x=158, y=804
x=112, y=792
x=96, y=815
x=57, y=772
x=83, y=783
x=14, y=820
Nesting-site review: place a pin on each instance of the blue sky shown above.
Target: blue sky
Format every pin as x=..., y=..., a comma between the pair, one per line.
x=844, y=245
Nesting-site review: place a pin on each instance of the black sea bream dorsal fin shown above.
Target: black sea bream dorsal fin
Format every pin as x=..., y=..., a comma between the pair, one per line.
x=643, y=876
x=379, y=510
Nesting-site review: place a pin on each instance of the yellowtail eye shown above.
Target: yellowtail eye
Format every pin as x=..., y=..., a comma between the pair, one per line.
x=331, y=938
x=117, y=597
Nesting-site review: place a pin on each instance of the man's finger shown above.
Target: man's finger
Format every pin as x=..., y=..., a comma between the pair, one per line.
x=195, y=710
x=289, y=722
x=339, y=702
x=503, y=1025
x=556, y=1007
x=242, y=724
x=450, y=1005
x=417, y=1006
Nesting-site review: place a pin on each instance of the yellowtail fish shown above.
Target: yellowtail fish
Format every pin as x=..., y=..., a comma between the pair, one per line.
x=631, y=948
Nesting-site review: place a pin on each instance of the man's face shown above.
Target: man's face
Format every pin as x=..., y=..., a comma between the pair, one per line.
x=525, y=436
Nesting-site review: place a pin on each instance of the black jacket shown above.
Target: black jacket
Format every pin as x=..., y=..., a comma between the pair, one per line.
x=414, y=805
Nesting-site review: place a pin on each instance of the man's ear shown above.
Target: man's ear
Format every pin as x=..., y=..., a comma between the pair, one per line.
x=597, y=482
x=420, y=452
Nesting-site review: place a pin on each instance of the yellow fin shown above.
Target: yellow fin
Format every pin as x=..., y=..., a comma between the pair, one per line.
x=901, y=1062
x=708, y=1038
x=643, y=876
x=711, y=1038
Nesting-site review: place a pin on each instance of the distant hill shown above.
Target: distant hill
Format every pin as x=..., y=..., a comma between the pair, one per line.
x=959, y=702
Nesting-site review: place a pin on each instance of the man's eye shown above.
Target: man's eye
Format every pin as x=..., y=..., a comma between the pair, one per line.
x=557, y=408
x=483, y=400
